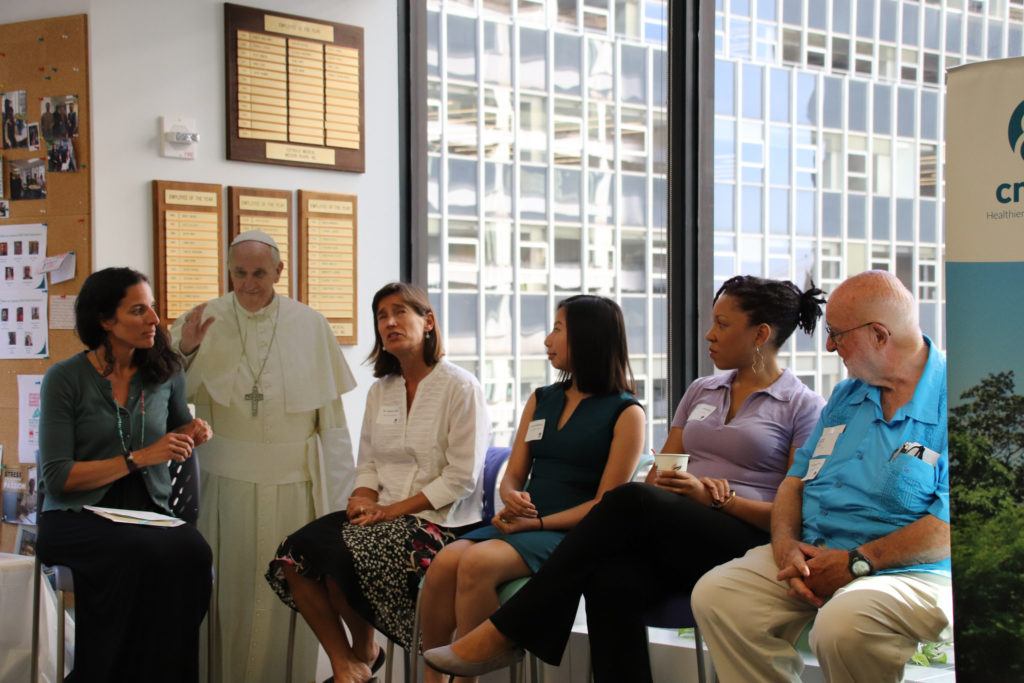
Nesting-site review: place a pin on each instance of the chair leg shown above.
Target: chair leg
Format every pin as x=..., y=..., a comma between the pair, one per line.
x=211, y=622
x=36, y=580
x=389, y=662
x=414, y=647
x=291, y=648
x=60, y=635
x=701, y=673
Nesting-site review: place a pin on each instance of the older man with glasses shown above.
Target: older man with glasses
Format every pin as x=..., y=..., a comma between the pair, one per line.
x=860, y=526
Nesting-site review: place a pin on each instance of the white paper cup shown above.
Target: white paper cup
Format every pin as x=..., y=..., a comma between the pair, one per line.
x=671, y=461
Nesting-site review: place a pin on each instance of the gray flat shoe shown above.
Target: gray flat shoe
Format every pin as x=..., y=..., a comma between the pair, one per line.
x=445, y=660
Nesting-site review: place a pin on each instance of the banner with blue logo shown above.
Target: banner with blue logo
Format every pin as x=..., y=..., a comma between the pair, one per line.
x=985, y=347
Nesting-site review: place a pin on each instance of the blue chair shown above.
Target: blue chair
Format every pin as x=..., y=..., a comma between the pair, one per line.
x=676, y=613
x=184, y=503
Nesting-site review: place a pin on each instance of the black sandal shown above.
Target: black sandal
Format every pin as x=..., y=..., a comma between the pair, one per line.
x=374, y=668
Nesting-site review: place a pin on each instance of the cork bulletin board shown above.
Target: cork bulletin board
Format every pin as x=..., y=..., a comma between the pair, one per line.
x=49, y=61
x=188, y=245
x=328, y=227
x=251, y=208
x=294, y=90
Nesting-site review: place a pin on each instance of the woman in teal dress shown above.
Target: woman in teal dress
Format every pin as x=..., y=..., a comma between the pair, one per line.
x=577, y=438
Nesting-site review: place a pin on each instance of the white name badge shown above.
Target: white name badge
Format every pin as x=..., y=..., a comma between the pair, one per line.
x=828, y=439
x=700, y=412
x=389, y=415
x=813, y=467
x=535, y=431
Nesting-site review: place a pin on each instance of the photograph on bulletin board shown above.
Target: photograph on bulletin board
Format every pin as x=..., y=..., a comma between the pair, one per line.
x=15, y=119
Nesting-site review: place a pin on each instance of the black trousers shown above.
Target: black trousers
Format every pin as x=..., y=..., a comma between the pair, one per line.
x=636, y=547
x=140, y=596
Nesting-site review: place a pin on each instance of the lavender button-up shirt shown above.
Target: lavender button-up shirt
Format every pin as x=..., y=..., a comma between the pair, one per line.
x=751, y=451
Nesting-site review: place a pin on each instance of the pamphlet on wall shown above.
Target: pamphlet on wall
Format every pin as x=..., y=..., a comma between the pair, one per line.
x=22, y=252
x=28, y=417
x=23, y=329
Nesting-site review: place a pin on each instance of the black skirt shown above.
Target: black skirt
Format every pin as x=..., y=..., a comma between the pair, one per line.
x=140, y=596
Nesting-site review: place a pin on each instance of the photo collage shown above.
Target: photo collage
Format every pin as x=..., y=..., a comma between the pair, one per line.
x=53, y=134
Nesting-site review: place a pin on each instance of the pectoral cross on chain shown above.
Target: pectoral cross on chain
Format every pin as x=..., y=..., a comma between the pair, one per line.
x=254, y=398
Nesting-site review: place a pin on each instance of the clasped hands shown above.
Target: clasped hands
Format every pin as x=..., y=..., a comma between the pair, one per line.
x=704, y=490
x=814, y=574
x=519, y=514
x=364, y=511
x=176, y=445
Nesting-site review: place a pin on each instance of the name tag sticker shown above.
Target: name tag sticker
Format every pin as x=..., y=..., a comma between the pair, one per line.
x=828, y=439
x=535, y=431
x=389, y=415
x=700, y=412
x=813, y=467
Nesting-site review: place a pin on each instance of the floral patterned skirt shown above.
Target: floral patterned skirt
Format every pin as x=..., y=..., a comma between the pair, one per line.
x=378, y=567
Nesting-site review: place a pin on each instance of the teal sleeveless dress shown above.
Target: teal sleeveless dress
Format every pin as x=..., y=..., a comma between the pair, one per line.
x=567, y=465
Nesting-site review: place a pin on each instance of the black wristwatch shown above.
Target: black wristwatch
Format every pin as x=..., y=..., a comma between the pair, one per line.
x=129, y=460
x=860, y=565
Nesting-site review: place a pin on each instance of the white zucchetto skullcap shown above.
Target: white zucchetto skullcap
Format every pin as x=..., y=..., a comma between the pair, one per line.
x=255, y=236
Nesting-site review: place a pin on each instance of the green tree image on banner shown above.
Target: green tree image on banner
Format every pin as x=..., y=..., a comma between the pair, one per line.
x=986, y=446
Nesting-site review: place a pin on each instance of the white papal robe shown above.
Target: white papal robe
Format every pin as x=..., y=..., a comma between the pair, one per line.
x=263, y=477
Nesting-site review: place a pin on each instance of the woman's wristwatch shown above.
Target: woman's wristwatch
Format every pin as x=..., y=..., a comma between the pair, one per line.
x=129, y=460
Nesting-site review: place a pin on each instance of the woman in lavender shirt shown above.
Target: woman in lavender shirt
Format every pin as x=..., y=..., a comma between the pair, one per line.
x=646, y=542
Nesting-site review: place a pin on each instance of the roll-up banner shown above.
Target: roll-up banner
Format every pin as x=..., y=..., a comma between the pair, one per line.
x=985, y=347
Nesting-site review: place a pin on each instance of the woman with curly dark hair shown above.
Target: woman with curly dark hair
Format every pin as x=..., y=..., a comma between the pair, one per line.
x=112, y=417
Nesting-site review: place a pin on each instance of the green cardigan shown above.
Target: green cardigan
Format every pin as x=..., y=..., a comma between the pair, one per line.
x=78, y=422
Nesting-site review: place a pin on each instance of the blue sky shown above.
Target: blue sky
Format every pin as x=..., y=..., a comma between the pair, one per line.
x=984, y=323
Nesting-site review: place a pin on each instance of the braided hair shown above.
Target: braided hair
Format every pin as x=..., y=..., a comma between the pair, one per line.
x=777, y=303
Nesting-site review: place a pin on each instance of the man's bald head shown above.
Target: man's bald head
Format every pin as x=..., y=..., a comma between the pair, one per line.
x=877, y=296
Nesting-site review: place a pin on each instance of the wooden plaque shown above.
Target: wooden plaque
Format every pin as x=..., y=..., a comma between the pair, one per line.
x=295, y=90
x=328, y=243
x=188, y=244
x=251, y=208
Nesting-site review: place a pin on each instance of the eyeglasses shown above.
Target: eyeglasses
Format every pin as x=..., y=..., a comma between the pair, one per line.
x=836, y=336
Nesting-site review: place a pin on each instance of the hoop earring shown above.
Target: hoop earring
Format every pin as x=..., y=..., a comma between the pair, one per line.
x=758, y=364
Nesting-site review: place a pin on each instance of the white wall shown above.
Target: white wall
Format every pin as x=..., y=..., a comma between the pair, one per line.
x=150, y=58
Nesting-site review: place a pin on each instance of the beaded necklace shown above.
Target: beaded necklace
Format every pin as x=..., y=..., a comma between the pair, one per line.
x=126, y=443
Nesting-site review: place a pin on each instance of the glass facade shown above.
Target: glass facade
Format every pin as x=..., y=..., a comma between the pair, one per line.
x=828, y=142
x=547, y=149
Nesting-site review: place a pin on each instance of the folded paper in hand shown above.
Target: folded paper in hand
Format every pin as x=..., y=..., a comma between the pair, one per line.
x=140, y=517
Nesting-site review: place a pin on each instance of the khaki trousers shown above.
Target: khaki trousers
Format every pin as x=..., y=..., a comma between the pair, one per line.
x=866, y=632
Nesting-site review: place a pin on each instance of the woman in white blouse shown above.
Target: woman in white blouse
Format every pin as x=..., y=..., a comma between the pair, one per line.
x=425, y=432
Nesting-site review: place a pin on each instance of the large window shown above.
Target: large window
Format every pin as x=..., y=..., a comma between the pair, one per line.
x=547, y=148
x=828, y=142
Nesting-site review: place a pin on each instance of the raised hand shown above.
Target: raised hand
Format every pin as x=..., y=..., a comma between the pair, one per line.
x=194, y=330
